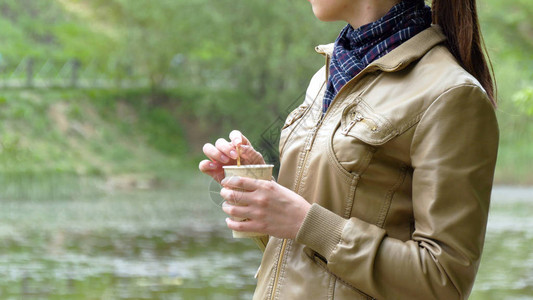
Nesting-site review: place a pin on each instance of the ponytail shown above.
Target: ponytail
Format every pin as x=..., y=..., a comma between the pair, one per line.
x=459, y=22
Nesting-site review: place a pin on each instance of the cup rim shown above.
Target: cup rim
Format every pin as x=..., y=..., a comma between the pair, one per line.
x=265, y=166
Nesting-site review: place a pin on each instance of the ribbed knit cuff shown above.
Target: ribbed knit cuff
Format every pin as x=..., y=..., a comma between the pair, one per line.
x=321, y=230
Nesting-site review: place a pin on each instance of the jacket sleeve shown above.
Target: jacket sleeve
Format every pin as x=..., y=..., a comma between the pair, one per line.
x=453, y=155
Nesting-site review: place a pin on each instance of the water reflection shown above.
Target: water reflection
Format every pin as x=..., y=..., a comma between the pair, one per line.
x=147, y=265
x=164, y=244
x=173, y=244
x=506, y=270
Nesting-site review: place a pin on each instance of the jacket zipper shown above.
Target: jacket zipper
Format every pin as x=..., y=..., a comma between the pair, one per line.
x=297, y=187
x=284, y=244
x=276, y=279
x=307, y=150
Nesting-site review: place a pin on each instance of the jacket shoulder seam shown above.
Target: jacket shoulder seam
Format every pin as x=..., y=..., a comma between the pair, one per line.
x=421, y=114
x=441, y=96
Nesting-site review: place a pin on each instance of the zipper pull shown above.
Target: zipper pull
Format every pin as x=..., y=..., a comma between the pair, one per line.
x=355, y=117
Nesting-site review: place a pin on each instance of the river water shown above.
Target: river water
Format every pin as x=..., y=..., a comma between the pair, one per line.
x=172, y=244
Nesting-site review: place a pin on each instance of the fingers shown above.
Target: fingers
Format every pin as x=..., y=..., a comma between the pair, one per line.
x=247, y=191
x=244, y=183
x=248, y=225
x=224, y=153
x=250, y=155
x=243, y=218
x=226, y=148
x=236, y=211
x=234, y=197
x=212, y=169
x=215, y=154
x=237, y=138
x=207, y=166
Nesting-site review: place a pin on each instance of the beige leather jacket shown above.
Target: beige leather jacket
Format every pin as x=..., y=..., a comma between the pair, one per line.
x=399, y=171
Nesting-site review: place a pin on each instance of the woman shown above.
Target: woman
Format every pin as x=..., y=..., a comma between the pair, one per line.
x=387, y=165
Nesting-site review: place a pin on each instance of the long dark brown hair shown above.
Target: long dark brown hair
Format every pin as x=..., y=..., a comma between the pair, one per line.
x=459, y=22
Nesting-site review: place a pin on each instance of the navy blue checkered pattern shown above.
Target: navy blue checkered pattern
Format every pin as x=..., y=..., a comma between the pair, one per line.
x=357, y=48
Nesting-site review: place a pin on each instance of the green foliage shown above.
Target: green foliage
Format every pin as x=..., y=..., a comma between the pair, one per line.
x=43, y=29
x=508, y=31
x=214, y=66
x=524, y=100
x=102, y=132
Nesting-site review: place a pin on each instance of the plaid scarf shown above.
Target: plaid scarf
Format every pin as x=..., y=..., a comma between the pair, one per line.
x=357, y=48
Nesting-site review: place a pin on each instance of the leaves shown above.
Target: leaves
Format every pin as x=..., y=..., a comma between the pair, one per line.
x=523, y=99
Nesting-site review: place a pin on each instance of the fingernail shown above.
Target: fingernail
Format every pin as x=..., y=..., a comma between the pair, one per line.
x=224, y=181
x=224, y=158
x=212, y=166
x=233, y=154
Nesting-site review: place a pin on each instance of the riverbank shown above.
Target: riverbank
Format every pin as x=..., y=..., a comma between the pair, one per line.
x=134, y=140
x=120, y=136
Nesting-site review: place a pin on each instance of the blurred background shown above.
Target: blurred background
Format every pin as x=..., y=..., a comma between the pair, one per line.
x=105, y=105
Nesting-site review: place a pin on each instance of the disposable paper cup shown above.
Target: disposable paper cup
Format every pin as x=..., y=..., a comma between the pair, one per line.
x=263, y=172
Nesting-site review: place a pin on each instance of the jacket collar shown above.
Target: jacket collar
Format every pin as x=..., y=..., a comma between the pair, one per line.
x=400, y=57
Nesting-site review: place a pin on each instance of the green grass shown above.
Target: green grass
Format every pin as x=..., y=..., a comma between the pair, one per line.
x=111, y=133
x=44, y=29
x=152, y=132
x=87, y=133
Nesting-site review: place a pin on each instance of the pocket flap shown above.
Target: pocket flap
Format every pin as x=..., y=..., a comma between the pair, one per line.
x=361, y=122
x=294, y=116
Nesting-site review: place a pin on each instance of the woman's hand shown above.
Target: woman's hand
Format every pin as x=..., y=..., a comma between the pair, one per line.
x=224, y=153
x=268, y=207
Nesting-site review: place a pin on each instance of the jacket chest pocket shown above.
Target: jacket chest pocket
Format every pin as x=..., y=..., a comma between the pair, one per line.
x=358, y=135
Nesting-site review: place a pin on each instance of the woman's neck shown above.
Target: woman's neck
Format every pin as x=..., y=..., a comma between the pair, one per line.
x=367, y=11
